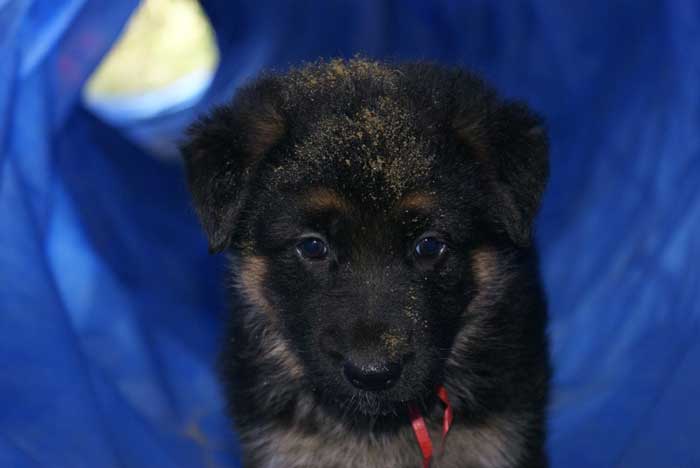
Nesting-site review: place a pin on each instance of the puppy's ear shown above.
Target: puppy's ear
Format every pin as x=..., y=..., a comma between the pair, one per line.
x=223, y=150
x=514, y=149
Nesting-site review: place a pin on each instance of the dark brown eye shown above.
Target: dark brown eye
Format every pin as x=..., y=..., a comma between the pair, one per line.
x=312, y=248
x=430, y=247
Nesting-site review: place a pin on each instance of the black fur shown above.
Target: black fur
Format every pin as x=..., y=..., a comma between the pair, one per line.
x=370, y=158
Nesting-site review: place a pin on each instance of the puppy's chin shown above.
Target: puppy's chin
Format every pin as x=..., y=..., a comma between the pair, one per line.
x=372, y=404
x=358, y=404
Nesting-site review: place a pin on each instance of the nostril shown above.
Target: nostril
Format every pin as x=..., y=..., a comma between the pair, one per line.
x=373, y=376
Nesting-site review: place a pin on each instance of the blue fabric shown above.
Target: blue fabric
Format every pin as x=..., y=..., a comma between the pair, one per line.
x=110, y=309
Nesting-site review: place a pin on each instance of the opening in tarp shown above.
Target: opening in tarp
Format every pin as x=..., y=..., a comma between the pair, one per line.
x=162, y=65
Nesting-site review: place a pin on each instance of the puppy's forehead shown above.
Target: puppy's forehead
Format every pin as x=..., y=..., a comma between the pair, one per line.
x=373, y=154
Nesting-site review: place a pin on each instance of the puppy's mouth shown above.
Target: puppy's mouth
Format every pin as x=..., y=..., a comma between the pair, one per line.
x=367, y=403
x=363, y=403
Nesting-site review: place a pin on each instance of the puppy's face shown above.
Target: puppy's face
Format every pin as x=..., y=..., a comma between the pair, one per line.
x=362, y=258
x=354, y=218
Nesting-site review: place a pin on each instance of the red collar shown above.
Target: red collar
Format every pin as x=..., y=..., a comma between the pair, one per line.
x=421, y=431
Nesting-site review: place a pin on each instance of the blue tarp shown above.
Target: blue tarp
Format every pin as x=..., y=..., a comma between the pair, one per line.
x=110, y=308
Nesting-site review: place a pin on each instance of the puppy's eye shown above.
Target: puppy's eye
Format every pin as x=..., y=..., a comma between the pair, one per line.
x=312, y=248
x=430, y=247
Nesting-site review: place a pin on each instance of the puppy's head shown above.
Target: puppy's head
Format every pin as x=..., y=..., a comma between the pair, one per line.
x=357, y=200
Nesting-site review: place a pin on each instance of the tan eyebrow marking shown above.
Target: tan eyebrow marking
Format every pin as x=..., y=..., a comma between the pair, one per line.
x=324, y=199
x=418, y=201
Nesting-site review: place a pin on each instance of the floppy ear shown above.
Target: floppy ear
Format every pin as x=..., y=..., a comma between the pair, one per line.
x=514, y=149
x=223, y=151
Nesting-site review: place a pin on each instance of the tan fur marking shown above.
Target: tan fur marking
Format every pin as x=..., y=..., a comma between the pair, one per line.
x=496, y=443
x=325, y=199
x=266, y=129
x=491, y=278
x=485, y=266
x=296, y=447
x=470, y=132
x=418, y=201
x=253, y=274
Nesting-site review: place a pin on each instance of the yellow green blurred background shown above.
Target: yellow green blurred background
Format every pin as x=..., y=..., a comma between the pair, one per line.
x=164, y=40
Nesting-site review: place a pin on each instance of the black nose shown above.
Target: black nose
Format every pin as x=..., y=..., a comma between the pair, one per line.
x=372, y=376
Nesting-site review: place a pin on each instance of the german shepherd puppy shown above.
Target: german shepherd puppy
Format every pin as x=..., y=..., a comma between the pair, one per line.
x=378, y=218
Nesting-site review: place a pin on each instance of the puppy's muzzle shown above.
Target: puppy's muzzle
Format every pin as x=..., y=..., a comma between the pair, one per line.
x=368, y=355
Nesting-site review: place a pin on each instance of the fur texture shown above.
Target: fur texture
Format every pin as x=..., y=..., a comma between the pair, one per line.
x=378, y=219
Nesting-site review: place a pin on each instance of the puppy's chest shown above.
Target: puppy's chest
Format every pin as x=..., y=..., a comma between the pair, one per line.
x=464, y=448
